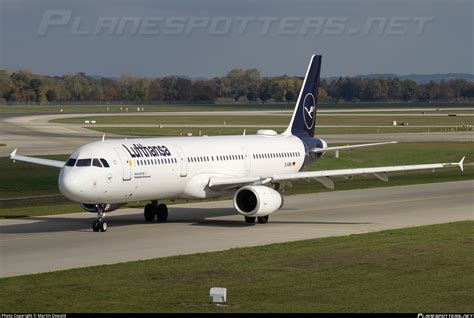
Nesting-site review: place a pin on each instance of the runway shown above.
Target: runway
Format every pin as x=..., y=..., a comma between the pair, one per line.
x=35, y=135
x=39, y=244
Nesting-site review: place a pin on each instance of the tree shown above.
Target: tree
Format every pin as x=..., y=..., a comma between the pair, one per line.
x=78, y=86
x=220, y=86
x=51, y=95
x=264, y=93
x=183, y=89
x=446, y=92
x=97, y=93
x=6, y=86
x=251, y=96
x=431, y=90
x=168, y=84
x=290, y=96
x=323, y=95
x=202, y=91
x=375, y=89
x=395, y=89
x=235, y=79
x=110, y=89
x=410, y=90
x=155, y=91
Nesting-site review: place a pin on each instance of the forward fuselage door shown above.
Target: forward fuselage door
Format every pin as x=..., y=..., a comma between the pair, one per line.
x=183, y=161
x=246, y=159
x=126, y=164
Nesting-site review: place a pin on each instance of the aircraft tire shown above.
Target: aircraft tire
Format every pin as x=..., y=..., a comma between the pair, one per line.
x=250, y=220
x=149, y=213
x=263, y=219
x=162, y=212
x=95, y=226
x=103, y=226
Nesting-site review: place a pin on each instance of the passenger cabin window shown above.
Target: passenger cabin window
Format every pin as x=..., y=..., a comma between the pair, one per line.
x=96, y=163
x=83, y=163
x=71, y=162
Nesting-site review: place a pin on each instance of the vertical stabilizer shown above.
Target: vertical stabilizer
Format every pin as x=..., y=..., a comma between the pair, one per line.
x=304, y=116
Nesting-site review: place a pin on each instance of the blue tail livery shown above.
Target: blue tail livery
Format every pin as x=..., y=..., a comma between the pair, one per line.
x=304, y=116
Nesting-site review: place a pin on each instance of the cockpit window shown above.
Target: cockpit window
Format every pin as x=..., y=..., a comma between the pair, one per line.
x=71, y=162
x=83, y=163
x=104, y=162
x=96, y=163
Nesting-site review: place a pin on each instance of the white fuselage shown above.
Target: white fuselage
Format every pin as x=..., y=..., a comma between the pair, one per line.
x=176, y=167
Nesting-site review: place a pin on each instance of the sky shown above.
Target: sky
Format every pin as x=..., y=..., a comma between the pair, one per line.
x=207, y=38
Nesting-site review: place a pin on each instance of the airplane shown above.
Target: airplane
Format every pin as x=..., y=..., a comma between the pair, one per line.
x=104, y=175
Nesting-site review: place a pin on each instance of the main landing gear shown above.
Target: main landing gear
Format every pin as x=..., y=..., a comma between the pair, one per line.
x=250, y=220
x=99, y=224
x=153, y=209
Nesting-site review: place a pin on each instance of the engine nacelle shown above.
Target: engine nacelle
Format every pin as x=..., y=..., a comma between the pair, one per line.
x=257, y=201
x=108, y=207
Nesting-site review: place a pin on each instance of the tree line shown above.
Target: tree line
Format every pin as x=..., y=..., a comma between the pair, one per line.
x=238, y=85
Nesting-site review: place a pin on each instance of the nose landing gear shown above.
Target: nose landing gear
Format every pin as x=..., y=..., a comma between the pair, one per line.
x=99, y=224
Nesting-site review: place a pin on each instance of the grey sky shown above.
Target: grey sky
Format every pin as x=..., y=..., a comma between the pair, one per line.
x=444, y=45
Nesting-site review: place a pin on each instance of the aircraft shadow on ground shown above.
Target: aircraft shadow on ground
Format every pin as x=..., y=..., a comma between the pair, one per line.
x=193, y=216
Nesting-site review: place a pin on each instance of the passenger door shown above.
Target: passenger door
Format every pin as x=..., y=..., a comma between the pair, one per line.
x=183, y=161
x=126, y=164
x=247, y=159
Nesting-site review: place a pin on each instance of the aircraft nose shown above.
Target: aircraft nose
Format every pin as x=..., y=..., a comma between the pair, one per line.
x=70, y=184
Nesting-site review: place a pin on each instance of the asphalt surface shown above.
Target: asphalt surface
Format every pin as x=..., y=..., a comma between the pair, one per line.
x=48, y=243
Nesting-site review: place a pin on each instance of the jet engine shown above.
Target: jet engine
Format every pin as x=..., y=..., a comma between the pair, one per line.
x=256, y=201
x=107, y=207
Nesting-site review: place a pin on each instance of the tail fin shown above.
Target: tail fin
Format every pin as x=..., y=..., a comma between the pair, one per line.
x=304, y=116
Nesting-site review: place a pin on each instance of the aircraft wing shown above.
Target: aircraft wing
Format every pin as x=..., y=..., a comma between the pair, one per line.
x=220, y=183
x=40, y=161
x=323, y=176
x=317, y=150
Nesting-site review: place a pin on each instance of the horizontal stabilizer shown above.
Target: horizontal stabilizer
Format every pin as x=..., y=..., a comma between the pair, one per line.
x=318, y=150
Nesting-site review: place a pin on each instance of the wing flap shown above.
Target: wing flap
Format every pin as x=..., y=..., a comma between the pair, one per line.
x=40, y=161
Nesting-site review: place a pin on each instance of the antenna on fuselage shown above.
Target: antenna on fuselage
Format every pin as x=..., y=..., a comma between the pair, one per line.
x=103, y=137
x=245, y=130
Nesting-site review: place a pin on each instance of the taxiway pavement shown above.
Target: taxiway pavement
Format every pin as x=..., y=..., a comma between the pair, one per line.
x=48, y=243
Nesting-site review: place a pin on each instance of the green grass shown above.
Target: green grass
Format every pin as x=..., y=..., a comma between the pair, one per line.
x=146, y=108
x=76, y=108
x=174, y=131
x=26, y=180
x=323, y=119
x=21, y=179
x=420, y=269
x=186, y=119
x=60, y=206
x=3, y=145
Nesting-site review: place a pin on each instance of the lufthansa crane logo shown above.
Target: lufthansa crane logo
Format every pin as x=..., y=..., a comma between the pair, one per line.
x=309, y=110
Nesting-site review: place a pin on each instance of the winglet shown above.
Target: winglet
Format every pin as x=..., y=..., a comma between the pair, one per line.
x=461, y=163
x=13, y=154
